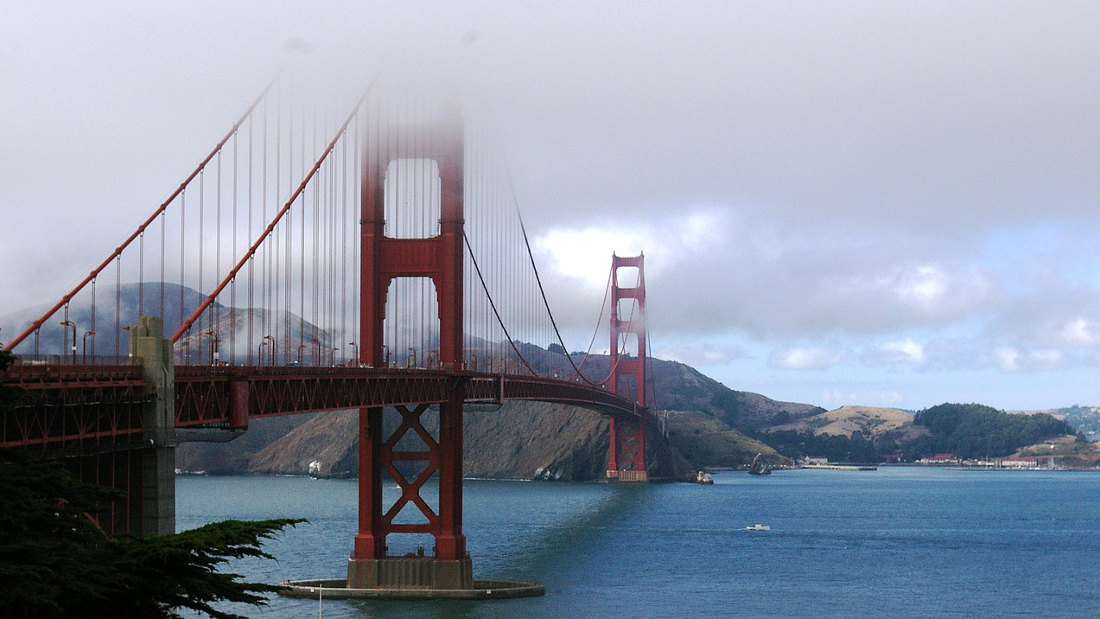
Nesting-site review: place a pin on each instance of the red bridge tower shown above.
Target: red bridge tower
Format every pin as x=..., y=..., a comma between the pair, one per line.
x=438, y=258
x=626, y=447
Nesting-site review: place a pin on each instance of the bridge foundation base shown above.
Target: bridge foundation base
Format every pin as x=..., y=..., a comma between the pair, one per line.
x=479, y=590
x=628, y=476
x=410, y=573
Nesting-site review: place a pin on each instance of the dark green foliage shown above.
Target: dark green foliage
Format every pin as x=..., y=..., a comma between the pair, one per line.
x=977, y=431
x=55, y=561
x=155, y=574
x=727, y=400
x=969, y=431
x=45, y=538
x=8, y=394
x=836, y=448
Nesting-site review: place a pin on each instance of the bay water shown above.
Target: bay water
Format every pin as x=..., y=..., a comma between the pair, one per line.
x=899, y=541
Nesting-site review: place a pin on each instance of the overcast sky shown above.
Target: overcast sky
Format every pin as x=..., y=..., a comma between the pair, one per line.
x=888, y=204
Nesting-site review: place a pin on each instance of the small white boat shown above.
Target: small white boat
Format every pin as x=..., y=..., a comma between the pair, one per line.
x=758, y=527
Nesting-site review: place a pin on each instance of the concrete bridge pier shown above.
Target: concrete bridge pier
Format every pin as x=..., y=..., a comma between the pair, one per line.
x=150, y=349
x=448, y=567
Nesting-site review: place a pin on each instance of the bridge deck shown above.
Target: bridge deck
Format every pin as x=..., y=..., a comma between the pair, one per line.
x=81, y=405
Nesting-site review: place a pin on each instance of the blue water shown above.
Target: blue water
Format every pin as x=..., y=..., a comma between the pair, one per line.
x=909, y=542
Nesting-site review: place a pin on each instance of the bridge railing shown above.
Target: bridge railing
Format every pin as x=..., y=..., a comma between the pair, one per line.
x=31, y=370
x=71, y=361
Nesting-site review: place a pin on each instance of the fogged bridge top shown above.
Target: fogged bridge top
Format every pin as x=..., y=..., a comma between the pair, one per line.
x=387, y=237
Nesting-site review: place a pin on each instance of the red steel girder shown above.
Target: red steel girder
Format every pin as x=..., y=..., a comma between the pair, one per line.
x=73, y=406
x=410, y=490
x=203, y=394
x=68, y=404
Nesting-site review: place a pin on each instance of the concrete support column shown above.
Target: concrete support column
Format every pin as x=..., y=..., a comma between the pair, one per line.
x=150, y=349
x=612, y=452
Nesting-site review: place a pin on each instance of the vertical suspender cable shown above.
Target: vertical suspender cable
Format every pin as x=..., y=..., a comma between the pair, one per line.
x=302, y=249
x=343, y=247
x=233, y=252
x=118, y=304
x=93, y=316
x=294, y=197
x=276, y=253
x=214, y=322
x=265, y=263
x=163, y=248
x=252, y=261
x=201, y=234
x=141, y=275
x=183, y=258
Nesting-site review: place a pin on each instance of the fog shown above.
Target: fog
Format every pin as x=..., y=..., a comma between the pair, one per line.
x=839, y=202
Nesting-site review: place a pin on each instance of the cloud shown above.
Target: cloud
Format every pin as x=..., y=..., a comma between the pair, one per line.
x=1081, y=331
x=1009, y=359
x=767, y=279
x=897, y=352
x=806, y=358
x=926, y=285
x=669, y=242
x=700, y=352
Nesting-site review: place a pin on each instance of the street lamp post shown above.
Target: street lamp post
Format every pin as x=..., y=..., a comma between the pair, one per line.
x=69, y=323
x=260, y=353
x=268, y=337
x=213, y=347
x=355, y=349
x=91, y=333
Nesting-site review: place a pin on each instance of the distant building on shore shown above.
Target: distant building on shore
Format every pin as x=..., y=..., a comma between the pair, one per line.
x=940, y=459
x=1020, y=463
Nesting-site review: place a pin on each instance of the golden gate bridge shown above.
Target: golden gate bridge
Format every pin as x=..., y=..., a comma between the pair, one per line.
x=314, y=261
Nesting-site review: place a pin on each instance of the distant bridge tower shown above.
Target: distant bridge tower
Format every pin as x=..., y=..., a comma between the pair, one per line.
x=438, y=258
x=626, y=447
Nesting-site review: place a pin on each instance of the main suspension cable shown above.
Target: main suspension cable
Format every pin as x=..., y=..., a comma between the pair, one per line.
x=117, y=253
x=493, y=305
x=542, y=291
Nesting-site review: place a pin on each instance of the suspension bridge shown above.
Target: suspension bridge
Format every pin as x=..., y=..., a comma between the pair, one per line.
x=314, y=261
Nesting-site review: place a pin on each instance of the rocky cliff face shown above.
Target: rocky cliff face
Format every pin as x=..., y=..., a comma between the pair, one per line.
x=524, y=440
x=326, y=446
x=217, y=452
